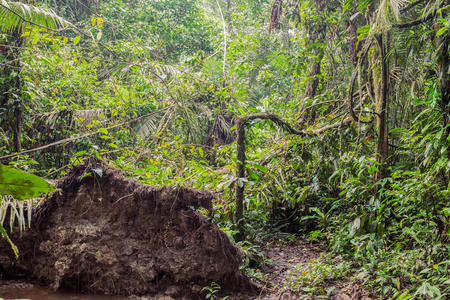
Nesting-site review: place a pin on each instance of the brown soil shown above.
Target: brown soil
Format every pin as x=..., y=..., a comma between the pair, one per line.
x=282, y=276
x=106, y=234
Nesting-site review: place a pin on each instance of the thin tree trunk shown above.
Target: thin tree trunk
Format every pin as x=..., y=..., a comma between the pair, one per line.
x=240, y=173
x=229, y=16
x=382, y=150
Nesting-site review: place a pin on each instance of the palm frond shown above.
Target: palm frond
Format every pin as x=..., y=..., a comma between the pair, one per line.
x=212, y=67
x=14, y=14
x=84, y=117
x=147, y=126
x=387, y=9
x=160, y=70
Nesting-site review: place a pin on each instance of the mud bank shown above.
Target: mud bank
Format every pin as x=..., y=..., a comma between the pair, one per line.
x=106, y=234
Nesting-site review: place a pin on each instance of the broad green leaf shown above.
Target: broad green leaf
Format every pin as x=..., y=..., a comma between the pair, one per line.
x=76, y=40
x=22, y=185
x=261, y=168
x=252, y=174
x=102, y=130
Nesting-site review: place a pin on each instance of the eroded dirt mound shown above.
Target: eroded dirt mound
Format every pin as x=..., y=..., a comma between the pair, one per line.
x=107, y=234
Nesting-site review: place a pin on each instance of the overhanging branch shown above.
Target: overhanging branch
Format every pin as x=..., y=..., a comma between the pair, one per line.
x=79, y=137
x=416, y=22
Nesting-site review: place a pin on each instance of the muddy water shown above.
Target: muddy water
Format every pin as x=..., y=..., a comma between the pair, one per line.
x=39, y=293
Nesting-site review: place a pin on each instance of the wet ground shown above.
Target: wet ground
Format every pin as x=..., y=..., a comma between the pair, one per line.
x=282, y=276
x=27, y=291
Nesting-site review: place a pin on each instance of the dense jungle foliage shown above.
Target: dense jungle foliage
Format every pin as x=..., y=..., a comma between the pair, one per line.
x=326, y=120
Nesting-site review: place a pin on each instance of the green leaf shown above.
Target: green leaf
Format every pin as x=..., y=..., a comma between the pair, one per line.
x=102, y=130
x=112, y=145
x=200, y=151
x=35, y=39
x=397, y=131
x=375, y=168
x=99, y=35
x=76, y=40
x=22, y=185
x=434, y=291
x=441, y=31
x=252, y=174
x=80, y=153
x=261, y=168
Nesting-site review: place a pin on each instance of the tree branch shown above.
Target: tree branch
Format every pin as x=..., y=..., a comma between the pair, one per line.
x=416, y=22
x=274, y=118
x=79, y=137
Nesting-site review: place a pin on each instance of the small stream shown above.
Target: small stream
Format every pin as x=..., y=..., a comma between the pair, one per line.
x=40, y=293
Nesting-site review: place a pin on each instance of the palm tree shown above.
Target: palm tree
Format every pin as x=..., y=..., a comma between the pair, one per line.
x=15, y=19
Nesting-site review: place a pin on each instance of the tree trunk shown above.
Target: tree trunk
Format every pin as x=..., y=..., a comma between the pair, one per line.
x=11, y=89
x=240, y=173
x=313, y=82
x=381, y=112
x=311, y=89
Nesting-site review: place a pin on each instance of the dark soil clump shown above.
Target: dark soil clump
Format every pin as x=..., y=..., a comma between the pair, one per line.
x=106, y=234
